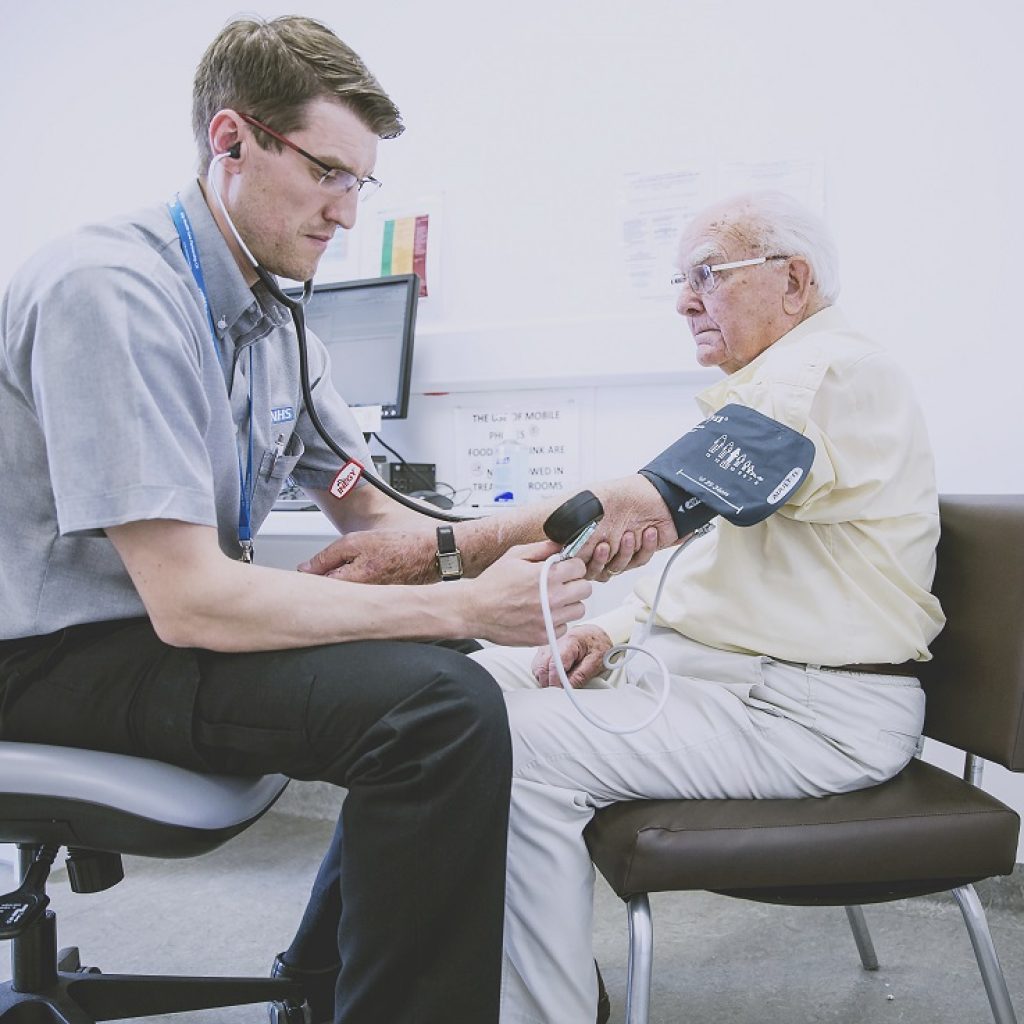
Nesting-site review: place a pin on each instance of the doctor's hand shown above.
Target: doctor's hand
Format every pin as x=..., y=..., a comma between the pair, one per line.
x=581, y=652
x=504, y=600
x=636, y=524
x=378, y=556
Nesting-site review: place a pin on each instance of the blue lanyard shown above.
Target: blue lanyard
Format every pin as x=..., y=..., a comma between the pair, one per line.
x=245, y=481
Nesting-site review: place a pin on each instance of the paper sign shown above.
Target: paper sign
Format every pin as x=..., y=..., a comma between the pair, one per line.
x=550, y=431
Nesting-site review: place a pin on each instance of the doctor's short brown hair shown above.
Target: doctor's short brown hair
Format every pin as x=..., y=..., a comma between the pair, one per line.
x=271, y=70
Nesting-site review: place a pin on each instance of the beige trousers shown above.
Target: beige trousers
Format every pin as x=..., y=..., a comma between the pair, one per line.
x=734, y=726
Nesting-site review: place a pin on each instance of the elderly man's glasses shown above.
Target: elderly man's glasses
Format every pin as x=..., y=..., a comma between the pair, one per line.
x=702, y=280
x=335, y=180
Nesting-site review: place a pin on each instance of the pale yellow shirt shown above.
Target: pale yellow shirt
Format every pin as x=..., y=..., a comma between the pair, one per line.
x=841, y=574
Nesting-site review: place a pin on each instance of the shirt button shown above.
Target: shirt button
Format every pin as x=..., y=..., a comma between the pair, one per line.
x=222, y=323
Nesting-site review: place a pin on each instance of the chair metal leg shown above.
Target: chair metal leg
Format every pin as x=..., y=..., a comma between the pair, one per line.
x=861, y=935
x=985, y=954
x=641, y=960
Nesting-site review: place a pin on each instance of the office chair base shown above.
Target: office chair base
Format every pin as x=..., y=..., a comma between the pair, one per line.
x=85, y=998
x=48, y=987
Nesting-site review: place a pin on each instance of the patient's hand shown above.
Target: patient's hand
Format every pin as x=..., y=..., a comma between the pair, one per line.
x=636, y=524
x=378, y=556
x=581, y=651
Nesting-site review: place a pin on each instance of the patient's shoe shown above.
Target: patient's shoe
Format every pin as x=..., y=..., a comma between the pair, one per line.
x=319, y=984
x=604, y=1004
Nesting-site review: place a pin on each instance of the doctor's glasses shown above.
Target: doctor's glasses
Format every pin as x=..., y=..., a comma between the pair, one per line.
x=336, y=180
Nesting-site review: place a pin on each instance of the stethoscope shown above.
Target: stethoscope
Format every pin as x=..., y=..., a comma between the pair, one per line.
x=296, y=306
x=577, y=518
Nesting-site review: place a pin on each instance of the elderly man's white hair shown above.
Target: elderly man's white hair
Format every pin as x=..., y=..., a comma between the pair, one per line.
x=778, y=223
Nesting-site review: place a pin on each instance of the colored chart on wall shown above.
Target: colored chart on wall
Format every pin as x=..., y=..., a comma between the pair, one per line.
x=404, y=248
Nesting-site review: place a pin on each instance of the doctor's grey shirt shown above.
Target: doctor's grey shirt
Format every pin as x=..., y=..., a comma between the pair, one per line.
x=115, y=408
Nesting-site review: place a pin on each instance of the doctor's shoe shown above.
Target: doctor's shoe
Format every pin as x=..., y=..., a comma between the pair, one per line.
x=604, y=1004
x=319, y=986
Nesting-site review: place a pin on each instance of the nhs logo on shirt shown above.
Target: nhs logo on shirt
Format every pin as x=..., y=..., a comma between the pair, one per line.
x=282, y=414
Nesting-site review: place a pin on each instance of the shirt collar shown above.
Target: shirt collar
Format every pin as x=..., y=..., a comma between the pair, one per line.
x=233, y=304
x=828, y=319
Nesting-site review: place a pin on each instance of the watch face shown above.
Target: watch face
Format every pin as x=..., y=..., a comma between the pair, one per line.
x=450, y=564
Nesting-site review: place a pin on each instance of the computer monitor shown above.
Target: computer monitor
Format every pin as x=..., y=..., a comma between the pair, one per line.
x=368, y=329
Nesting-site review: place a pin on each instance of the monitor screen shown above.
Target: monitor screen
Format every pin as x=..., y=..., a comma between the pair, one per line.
x=368, y=329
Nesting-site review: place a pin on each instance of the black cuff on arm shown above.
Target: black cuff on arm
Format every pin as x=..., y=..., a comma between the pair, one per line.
x=688, y=513
x=738, y=464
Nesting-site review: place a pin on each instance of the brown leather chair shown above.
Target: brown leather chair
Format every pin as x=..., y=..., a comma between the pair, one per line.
x=924, y=831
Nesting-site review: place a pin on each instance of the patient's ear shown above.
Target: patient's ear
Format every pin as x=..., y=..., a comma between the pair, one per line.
x=799, y=284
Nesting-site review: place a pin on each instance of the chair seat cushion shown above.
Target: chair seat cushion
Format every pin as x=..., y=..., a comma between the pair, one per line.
x=123, y=804
x=925, y=825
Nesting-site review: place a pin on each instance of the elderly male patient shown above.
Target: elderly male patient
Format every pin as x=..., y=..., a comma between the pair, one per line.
x=790, y=644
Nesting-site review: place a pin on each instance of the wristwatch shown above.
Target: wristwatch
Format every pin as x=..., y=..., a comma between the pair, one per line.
x=448, y=557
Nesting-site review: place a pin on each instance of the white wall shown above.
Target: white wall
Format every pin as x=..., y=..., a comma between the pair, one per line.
x=526, y=116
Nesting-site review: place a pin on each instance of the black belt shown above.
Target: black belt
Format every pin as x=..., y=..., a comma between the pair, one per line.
x=906, y=668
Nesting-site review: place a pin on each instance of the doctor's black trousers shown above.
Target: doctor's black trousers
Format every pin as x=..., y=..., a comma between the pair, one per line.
x=410, y=905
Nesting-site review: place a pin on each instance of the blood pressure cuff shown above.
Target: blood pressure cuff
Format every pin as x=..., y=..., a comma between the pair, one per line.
x=737, y=464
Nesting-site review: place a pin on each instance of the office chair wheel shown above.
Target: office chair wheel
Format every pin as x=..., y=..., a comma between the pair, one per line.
x=69, y=962
x=287, y=1012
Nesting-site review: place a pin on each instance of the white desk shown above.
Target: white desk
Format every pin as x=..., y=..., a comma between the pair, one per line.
x=297, y=524
x=288, y=538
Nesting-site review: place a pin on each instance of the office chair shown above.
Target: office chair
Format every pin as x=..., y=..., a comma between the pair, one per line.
x=925, y=831
x=101, y=806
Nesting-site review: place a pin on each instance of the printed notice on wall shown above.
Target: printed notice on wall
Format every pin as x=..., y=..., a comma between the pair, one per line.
x=549, y=432
x=654, y=209
x=801, y=178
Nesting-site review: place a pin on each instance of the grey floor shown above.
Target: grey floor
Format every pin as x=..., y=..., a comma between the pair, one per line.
x=716, y=959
